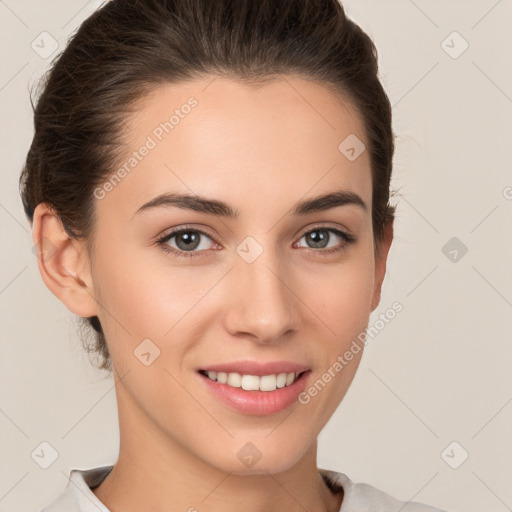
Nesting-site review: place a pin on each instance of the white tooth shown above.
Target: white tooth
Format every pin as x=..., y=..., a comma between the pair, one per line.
x=281, y=380
x=268, y=383
x=235, y=380
x=290, y=378
x=250, y=382
x=253, y=382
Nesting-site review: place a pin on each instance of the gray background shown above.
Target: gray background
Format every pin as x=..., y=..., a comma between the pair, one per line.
x=438, y=373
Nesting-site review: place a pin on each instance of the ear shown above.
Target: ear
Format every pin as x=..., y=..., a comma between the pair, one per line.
x=380, y=262
x=63, y=263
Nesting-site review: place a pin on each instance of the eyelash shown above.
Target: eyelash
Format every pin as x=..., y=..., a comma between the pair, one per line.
x=348, y=239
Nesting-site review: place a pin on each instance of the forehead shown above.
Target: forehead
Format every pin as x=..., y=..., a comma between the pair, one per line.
x=231, y=141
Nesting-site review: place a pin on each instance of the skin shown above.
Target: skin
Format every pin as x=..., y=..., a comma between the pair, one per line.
x=260, y=149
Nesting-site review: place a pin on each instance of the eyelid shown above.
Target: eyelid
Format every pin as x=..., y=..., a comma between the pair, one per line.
x=327, y=225
x=185, y=227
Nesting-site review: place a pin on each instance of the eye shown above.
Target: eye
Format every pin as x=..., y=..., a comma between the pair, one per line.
x=320, y=238
x=191, y=242
x=187, y=240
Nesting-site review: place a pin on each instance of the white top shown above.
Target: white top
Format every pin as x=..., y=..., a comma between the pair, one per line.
x=358, y=497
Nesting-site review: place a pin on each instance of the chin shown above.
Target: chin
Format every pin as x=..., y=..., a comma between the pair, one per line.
x=249, y=460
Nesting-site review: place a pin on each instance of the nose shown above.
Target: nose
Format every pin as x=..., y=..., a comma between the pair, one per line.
x=261, y=302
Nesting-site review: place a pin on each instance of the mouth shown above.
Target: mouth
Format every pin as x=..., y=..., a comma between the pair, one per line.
x=256, y=387
x=262, y=394
x=248, y=382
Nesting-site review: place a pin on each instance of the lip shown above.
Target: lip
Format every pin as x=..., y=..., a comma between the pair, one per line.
x=257, y=402
x=257, y=368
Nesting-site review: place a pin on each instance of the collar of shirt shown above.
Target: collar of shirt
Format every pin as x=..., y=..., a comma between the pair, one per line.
x=78, y=496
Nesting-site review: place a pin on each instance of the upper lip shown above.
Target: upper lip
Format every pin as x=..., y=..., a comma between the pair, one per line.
x=257, y=368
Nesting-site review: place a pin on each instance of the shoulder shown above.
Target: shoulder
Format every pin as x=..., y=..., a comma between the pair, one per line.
x=361, y=496
x=78, y=496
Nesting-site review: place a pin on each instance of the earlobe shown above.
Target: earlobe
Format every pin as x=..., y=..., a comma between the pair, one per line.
x=380, y=263
x=63, y=263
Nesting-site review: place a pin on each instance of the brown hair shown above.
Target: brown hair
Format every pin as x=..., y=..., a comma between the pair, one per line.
x=128, y=47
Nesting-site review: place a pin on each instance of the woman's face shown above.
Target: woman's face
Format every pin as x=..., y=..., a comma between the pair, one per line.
x=253, y=280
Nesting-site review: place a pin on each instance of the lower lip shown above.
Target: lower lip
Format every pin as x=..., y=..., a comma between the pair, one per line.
x=257, y=402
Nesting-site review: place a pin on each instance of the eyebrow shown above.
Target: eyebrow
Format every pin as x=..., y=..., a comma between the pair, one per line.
x=222, y=209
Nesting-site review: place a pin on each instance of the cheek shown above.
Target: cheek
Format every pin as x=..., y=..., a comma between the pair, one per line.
x=154, y=300
x=340, y=297
x=133, y=295
x=341, y=294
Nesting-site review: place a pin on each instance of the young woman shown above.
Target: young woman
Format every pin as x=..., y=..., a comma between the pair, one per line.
x=208, y=185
